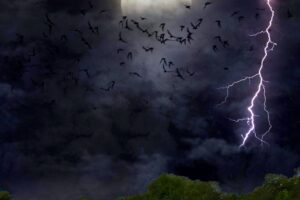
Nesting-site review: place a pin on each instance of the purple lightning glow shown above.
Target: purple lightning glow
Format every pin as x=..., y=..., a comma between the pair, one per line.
x=261, y=89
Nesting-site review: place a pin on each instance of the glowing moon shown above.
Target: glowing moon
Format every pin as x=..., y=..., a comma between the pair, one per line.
x=153, y=7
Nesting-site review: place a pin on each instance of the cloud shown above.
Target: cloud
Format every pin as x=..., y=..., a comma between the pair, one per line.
x=212, y=149
x=61, y=131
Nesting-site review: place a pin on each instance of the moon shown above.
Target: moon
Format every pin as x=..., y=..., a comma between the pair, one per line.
x=153, y=7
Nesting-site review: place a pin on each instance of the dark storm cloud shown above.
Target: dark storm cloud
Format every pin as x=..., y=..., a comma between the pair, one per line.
x=74, y=7
x=59, y=129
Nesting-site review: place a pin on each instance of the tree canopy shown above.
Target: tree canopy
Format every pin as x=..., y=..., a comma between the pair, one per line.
x=171, y=187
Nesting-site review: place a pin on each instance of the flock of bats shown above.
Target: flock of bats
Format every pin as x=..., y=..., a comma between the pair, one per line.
x=53, y=47
x=164, y=36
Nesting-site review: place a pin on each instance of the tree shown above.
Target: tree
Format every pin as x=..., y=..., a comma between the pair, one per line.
x=5, y=196
x=171, y=187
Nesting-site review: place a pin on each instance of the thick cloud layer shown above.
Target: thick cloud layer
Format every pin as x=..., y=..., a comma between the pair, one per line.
x=74, y=122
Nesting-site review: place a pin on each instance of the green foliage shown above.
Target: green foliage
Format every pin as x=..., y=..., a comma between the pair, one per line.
x=277, y=187
x=5, y=196
x=170, y=187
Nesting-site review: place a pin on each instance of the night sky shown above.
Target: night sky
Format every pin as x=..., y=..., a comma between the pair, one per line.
x=85, y=114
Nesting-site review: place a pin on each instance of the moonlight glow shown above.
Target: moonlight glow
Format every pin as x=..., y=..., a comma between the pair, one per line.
x=153, y=7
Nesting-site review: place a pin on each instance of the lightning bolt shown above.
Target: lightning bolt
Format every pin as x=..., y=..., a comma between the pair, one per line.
x=261, y=89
